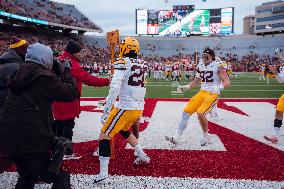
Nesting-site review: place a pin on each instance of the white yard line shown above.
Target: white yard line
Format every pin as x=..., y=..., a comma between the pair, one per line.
x=198, y=89
x=161, y=99
x=80, y=181
x=231, y=85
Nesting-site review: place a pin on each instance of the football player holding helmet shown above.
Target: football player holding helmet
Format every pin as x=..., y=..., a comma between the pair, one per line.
x=128, y=83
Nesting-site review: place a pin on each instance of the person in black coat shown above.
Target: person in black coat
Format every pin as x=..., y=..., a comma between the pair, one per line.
x=25, y=135
x=10, y=61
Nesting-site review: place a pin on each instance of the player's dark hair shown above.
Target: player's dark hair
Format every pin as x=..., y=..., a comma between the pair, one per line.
x=209, y=51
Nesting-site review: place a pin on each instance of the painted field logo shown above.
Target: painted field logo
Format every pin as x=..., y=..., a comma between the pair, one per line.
x=239, y=157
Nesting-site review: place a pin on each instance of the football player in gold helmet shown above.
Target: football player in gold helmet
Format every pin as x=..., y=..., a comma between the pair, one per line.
x=128, y=83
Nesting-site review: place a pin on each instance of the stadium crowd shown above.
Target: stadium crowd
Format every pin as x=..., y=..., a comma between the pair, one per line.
x=96, y=60
x=49, y=11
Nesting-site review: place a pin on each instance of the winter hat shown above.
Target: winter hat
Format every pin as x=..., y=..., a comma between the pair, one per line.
x=19, y=45
x=40, y=54
x=73, y=47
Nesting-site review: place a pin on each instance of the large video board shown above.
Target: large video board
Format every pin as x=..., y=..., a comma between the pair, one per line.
x=179, y=22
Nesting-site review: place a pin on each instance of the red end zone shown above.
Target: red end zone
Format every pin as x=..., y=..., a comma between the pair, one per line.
x=245, y=157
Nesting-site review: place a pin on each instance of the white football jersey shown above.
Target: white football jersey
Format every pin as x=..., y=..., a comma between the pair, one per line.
x=128, y=83
x=229, y=66
x=280, y=76
x=210, y=80
x=262, y=68
x=168, y=67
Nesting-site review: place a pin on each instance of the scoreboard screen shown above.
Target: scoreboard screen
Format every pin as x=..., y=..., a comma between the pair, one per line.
x=184, y=20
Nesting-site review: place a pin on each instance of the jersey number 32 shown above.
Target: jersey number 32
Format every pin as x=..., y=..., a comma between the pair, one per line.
x=206, y=76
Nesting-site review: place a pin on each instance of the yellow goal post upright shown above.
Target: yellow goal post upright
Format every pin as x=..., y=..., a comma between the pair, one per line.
x=113, y=43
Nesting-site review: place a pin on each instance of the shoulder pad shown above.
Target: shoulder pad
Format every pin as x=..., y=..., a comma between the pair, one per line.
x=120, y=61
x=120, y=64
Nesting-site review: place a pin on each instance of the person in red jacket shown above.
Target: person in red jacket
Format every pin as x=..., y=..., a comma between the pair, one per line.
x=65, y=113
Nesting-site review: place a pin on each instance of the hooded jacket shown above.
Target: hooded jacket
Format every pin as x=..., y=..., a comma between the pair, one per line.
x=22, y=130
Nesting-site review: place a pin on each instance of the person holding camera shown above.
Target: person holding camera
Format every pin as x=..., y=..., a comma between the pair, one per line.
x=25, y=122
x=65, y=113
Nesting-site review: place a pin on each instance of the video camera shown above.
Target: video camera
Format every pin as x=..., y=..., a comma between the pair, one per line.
x=60, y=145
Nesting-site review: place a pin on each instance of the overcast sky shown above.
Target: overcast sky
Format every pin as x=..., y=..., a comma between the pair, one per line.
x=120, y=14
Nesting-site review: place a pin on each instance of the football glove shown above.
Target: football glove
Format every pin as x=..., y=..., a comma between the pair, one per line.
x=221, y=87
x=101, y=103
x=104, y=117
x=182, y=88
x=66, y=64
x=217, y=89
x=197, y=76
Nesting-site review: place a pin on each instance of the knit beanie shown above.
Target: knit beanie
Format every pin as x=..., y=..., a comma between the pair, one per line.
x=19, y=45
x=73, y=47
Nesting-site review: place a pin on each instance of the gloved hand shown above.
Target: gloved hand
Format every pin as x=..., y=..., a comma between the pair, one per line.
x=217, y=89
x=67, y=64
x=182, y=88
x=104, y=117
x=197, y=76
x=57, y=67
x=109, y=79
x=101, y=103
x=221, y=87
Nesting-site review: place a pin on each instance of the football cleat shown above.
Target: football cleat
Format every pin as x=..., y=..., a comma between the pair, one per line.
x=96, y=153
x=205, y=141
x=142, y=160
x=273, y=139
x=71, y=157
x=135, y=154
x=98, y=178
x=172, y=140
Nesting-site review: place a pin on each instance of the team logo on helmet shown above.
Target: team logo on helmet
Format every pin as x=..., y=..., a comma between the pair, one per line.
x=128, y=44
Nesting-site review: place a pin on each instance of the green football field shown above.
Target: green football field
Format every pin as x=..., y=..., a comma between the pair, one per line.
x=246, y=85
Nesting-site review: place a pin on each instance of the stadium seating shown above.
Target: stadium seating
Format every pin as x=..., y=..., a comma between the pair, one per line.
x=49, y=11
x=240, y=44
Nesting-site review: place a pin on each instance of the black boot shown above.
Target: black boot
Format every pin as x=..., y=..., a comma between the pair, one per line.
x=62, y=181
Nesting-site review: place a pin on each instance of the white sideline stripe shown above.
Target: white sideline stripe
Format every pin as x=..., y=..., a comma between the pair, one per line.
x=232, y=81
x=224, y=90
x=231, y=85
x=161, y=99
x=80, y=181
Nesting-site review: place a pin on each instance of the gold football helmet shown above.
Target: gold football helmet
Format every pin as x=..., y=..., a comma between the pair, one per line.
x=128, y=44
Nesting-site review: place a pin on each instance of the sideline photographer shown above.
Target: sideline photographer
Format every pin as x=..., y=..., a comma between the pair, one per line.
x=25, y=123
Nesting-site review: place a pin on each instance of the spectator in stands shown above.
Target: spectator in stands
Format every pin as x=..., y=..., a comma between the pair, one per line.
x=25, y=122
x=9, y=63
x=65, y=113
